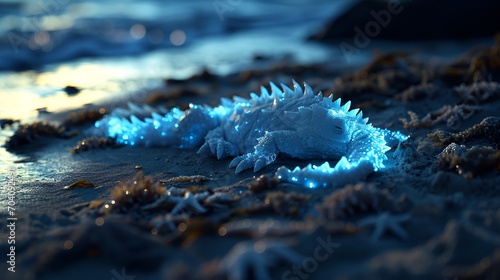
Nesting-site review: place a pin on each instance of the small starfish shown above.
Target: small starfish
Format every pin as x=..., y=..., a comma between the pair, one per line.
x=386, y=221
x=169, y=221
x=187, y=201
x=259, y=257
x=220, y=200
x=163, y=201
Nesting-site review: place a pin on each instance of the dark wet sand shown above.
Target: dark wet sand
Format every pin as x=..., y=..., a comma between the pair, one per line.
x=454, y=229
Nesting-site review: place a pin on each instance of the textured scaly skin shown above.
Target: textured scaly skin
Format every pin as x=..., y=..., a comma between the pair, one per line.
x=294, y=123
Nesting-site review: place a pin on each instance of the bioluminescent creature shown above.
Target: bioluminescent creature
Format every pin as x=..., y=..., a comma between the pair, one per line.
x=294, y=123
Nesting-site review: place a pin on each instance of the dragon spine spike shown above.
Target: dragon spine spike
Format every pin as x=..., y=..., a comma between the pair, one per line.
x=156, y=116
x=308, y=90
x=225, y=102
x=346, y=106
x=287, y=92
x=135, y=120
x=264, y=92
x=120, y=112
x=275, y=90
x=354, y=112
x=148, y=108
x=297, y=87
x=239, y=99
x=134, y=108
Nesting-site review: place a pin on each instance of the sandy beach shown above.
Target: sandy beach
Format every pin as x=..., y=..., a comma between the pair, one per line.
x=79, y=205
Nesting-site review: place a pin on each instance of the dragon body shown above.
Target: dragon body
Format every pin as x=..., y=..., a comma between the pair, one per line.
x=290, y=122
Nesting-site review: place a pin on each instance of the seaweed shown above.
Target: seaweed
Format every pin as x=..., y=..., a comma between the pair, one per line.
x=478, y=91
x=469, y=162
x=381, y=61
x=263, y=183
x=475, y=65
x=417, y=92
x=487, y=130
x=163, y=96
x=387, y=75
x=83, y=117
x=485, y=61
x=357, y=199
x=187, y=179
x=89, y=144
x=204, y=76
x=288, y=204
x=135, y=193
x=452, y=116
x=28, y=133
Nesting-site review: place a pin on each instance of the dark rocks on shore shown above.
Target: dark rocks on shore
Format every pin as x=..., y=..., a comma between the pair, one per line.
x=414, y=20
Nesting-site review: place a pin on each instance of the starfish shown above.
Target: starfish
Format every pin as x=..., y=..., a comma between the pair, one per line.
x=220, y=200
x=259, y=257
x=169, y=221
x=386, y=221
x=189, y=200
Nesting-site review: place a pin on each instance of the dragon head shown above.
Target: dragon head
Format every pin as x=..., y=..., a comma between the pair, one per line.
x=324, y=126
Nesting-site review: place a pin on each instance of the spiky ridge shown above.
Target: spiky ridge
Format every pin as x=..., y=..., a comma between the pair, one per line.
x=324, y=175
x=366, y=154
x=170, y=128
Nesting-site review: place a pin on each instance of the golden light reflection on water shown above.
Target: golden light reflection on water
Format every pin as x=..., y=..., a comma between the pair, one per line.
x=23, y=93
x=100, y=81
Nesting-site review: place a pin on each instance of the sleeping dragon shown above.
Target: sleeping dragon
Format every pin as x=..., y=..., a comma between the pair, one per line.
x=294, y=123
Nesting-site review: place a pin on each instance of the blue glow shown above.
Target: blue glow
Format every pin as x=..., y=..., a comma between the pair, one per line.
x=309, y=123
x=311, y=185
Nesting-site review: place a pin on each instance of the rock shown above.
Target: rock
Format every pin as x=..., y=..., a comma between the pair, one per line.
x=413, y=20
